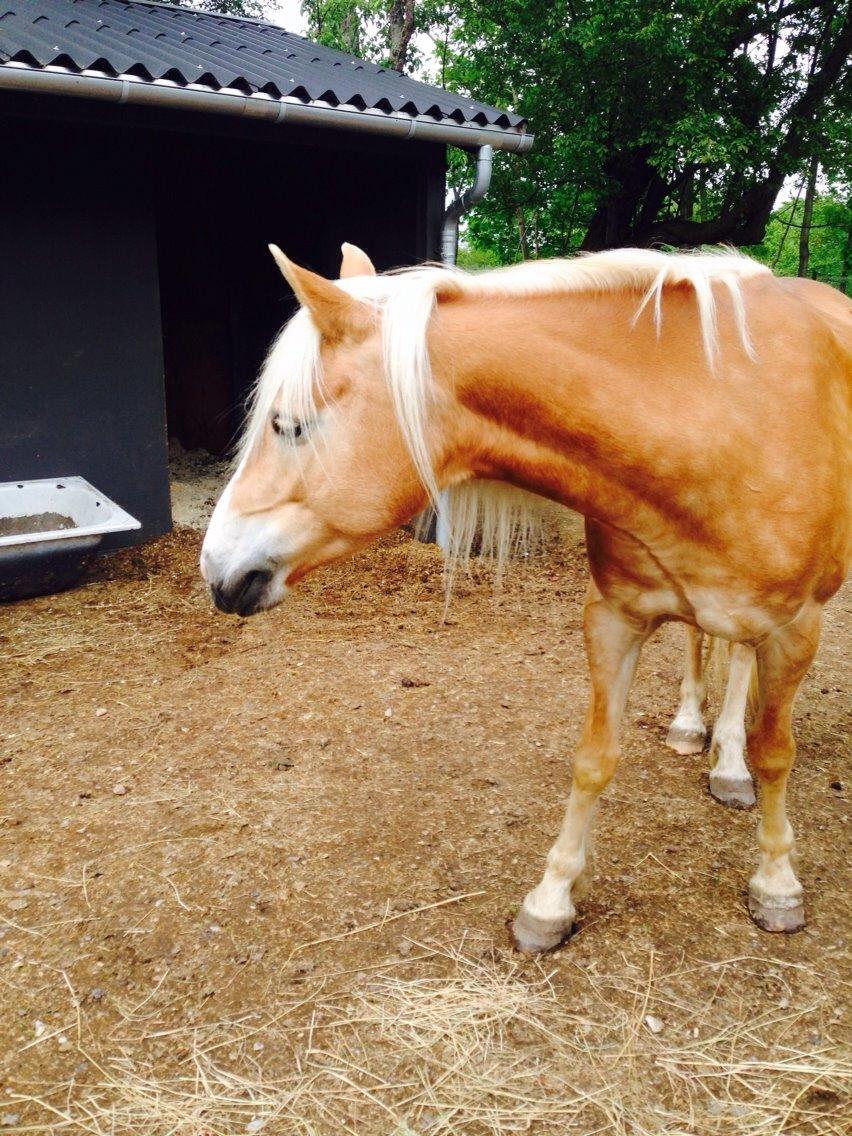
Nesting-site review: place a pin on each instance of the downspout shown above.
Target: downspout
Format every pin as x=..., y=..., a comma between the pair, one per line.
x=449, y=254
x=464, y=202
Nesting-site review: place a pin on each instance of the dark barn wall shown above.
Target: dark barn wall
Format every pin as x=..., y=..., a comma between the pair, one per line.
x=81, y=370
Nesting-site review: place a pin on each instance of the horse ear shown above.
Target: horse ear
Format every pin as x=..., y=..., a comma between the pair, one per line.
x=355, y=262
x=335, y=313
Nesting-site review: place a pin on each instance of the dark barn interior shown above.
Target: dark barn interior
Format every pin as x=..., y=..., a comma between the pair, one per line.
x=222, y=298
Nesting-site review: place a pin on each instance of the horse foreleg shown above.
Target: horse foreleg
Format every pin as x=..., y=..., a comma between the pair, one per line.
x=687, y=733
x=775, y=895
x=730, y=780
x=612, y=645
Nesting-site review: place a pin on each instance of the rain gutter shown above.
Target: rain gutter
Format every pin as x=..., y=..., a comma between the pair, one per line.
x=258, y=107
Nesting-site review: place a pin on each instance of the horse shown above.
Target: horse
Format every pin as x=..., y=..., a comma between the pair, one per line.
x=730, y=781
x=694, y=408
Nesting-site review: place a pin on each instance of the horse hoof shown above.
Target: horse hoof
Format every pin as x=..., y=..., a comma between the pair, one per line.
x=536, y=936
x=684, y=741
x=732, y=791
x=781, y=917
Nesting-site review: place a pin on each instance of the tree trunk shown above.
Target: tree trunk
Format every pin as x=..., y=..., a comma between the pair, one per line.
x=686, y=205
x=807, y=218
x=350, y=33
x=522, y=233
x=400, y=31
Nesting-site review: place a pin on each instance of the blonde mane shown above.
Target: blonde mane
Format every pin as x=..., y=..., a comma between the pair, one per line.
x=500, y=519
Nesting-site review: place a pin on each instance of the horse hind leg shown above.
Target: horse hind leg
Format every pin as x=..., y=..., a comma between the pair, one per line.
x=688, y=733
x=730, y=780
x=775, y=895
x=613, y=645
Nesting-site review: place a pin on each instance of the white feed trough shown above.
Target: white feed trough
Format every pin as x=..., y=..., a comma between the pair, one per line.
x=48, y=530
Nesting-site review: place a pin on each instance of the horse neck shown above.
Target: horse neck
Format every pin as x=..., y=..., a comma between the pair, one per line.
x=562, y=396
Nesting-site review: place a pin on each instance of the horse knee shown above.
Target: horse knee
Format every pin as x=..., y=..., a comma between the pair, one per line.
x=772, y=759
x=593, y=772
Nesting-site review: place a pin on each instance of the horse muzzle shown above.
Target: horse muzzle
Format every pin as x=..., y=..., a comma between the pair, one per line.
x=244, y=595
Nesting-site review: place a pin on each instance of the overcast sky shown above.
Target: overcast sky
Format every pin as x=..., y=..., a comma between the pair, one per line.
x=287, y=13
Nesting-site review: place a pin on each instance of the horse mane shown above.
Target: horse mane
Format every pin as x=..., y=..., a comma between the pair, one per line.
x=496, y=517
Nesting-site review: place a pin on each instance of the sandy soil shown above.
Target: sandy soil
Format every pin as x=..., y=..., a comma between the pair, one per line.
x=221, y=839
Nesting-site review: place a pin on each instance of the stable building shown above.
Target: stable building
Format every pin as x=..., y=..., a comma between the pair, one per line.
x=149, y=156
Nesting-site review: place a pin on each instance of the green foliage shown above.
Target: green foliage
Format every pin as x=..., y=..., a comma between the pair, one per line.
x=830, y=240
x=654, y=119
x=473, y=258
x=367, y=28
x=348, y=25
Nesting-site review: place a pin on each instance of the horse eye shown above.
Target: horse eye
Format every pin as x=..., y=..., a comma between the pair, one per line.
x=294, y=432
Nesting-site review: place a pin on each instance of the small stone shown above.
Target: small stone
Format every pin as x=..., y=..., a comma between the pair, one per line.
x=101, y=710
x=40, y=1028
x=388, y=712
x=413, y=683
x=655, y=1025
x=404, y=948
x=324, y=743
x=119, y=790
x=255, y=1125
x=96, y=994
x=9, y=1119
x=284, y=763
x=19, y=904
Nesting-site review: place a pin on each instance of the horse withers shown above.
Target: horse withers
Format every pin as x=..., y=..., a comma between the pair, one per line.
x=694, y=408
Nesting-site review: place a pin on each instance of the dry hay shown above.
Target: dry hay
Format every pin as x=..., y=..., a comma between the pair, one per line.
x=472, y=1044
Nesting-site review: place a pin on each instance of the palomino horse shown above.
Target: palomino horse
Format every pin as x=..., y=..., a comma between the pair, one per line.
x=695, y=409
x=730, y=780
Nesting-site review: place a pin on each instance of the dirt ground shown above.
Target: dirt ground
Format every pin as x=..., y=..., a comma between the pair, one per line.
x=197, y=479
x=255, y=874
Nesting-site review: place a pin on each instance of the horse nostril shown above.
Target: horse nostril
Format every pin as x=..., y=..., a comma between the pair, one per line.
x=221, y=598
x=242, y=597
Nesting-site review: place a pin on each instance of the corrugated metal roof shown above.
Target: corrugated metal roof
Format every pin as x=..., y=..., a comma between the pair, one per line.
x=159, y=42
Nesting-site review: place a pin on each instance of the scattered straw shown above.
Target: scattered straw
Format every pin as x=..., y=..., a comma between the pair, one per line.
x=469, y=1042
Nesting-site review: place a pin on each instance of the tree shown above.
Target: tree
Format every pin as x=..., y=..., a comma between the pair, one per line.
x=375, y=29
x=656, y=122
